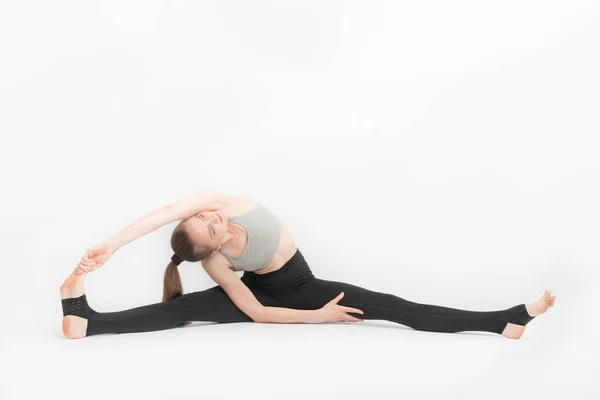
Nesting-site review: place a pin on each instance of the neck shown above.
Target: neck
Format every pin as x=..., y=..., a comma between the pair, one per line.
x=231, y=235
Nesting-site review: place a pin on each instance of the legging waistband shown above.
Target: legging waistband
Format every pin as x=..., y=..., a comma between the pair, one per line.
x=291, y=276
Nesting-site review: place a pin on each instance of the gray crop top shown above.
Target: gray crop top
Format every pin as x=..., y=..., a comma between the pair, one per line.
x=264, y=231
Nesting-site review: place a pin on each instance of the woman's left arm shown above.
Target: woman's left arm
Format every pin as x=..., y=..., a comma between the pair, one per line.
x=179, y=210
x=97, y=256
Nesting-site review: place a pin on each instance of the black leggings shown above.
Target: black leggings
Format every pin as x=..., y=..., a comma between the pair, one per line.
x=294, y=286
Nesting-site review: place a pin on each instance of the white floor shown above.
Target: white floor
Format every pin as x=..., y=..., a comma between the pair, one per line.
x=375, y=359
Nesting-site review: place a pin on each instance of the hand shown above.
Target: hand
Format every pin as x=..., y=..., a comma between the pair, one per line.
x=94, y=258
x=332, y=312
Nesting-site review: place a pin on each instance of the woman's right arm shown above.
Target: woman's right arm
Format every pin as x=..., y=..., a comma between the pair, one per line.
x=245, y=300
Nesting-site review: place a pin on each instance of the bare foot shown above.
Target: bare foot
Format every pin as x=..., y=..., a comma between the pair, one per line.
x=513, y=331
x=542, y=305
x=72, y=286
x=73, y=326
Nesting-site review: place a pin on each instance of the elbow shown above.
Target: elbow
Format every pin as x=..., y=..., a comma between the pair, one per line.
x=259, y=316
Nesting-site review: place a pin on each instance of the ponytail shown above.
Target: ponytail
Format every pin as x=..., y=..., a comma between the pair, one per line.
x=172, y=283
x=172, y=287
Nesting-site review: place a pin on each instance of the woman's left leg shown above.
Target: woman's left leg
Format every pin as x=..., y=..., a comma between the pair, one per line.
x=315, y=293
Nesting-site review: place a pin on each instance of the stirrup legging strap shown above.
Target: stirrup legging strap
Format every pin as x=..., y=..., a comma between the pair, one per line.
x=521, y=317
x=77, y=306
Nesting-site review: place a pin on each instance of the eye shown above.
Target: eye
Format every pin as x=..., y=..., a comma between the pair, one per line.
x=210, y=227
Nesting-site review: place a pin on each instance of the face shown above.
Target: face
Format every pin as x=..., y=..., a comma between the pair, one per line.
x=209, y=228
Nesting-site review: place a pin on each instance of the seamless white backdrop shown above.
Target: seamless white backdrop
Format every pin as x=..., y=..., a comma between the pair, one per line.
x=445, y=152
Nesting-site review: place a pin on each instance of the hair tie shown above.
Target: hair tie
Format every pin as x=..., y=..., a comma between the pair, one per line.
x=176, y=260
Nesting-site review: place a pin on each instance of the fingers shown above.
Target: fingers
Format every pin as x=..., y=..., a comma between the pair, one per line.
x=339, y=313
x=87, y=262
x=84, y=268
x=350, y=318
x=344, y=317
x=354, y=310
x=87, y=267
x=338, y=298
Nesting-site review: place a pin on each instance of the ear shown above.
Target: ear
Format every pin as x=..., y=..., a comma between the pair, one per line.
x=215, y=250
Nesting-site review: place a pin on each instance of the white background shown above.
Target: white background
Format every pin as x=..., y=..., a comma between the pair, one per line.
x=441, y=151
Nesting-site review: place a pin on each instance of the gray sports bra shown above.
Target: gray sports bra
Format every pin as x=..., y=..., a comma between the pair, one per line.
x=264, y=231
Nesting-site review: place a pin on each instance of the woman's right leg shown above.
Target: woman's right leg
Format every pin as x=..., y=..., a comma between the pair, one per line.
x=212, y=305
x=208, y=305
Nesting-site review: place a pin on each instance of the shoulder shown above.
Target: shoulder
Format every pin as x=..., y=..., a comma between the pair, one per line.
x=216, y=262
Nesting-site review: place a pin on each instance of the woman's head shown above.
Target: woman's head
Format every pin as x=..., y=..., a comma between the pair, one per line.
x=205, y=230
x=193, y=240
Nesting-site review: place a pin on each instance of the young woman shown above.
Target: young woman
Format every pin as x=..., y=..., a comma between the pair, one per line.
x=229, y=233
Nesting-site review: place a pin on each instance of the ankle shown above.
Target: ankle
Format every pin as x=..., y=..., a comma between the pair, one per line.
x=77, y=306
x=520, y=315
